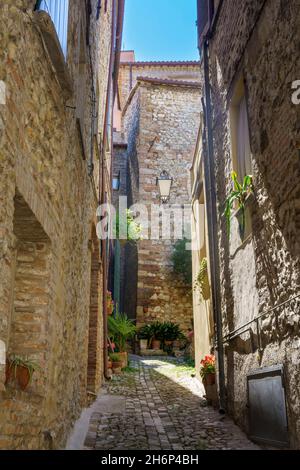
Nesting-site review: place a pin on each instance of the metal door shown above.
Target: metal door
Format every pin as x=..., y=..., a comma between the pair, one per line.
x=267, y=406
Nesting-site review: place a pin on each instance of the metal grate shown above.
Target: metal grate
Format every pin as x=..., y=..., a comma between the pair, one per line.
x=267, y=407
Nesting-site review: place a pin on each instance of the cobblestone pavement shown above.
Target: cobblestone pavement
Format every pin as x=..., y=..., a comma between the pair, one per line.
x=158, y=405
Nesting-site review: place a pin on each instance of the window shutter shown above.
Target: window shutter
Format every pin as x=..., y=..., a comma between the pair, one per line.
x=58, y=10
x=203, y=20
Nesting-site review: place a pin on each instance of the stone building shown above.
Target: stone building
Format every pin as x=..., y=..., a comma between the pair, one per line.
x=57, y=62
x=251, y=60
x=156, y=130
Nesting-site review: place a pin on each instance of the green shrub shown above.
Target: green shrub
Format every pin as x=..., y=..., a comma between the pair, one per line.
x=132, y=229
x=170, y=331
x=156, y=331
x=114, y=357
x=145, y=332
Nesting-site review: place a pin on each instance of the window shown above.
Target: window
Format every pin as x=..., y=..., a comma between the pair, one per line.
x=58, y=10
x=240, y=148
x=240, y=138
x=98, y=9
x=116, y=182
x=243, y=140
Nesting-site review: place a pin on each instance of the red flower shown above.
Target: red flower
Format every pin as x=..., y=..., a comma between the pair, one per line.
x=208, y=365
x=112, y=346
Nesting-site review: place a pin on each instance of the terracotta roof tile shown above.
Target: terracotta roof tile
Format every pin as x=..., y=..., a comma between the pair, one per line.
x=179, y=63
x=166, y=81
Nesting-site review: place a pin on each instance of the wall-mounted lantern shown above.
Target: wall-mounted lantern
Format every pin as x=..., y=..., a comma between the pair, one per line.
x=164, y=182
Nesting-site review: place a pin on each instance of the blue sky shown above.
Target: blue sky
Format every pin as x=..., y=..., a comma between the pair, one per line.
x=161, y=29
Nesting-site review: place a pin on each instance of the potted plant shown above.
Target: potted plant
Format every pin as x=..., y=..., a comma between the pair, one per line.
x=171, y=332
x=238, y=195
x=121, y=329
x=111, y=349
x=144, y=335
x=208, y=370
x=180, y=342
x=109, y=303
x=202, y=282
x=21, y=369
x=117, y=363
x=156, y=335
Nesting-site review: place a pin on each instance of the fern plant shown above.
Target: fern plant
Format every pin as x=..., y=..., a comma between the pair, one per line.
x=239, y=194
x=120, y=329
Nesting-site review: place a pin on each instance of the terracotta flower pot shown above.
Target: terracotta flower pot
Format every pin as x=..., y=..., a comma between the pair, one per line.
x=143, y=344
x=155, y=344
x=168, y=342
x=123, y=359
x=109, y=364
x=209, y=379
x=117, y=365
x=110, y=310
x=23, y=377
x=8, y=372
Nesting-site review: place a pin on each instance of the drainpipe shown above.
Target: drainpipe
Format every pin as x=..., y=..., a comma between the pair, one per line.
x=105, y=353
x=116, y=35
x=104, y=242
x=211, y=209
x=130, y=77
x=91, y=158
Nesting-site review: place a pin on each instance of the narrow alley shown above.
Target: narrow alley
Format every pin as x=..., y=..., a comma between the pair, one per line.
x=157, y=405
x=149, y=226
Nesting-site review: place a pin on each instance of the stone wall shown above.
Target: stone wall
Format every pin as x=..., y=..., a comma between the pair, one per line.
x=176, y=71
x=161, y=124
x=50, y=270
x=263, y=271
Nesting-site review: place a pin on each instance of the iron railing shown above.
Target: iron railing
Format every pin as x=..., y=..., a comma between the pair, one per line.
x=246, y=326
